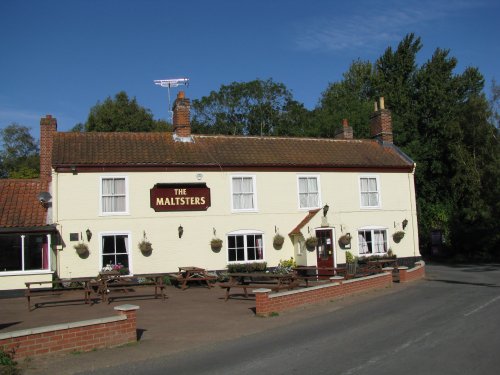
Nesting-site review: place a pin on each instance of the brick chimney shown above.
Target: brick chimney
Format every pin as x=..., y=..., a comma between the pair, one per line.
x=181, y=120
x=48, y=127
x=381, y=123
x=346, y=131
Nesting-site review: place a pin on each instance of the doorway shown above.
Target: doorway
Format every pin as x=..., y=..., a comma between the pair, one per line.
x=325, y=254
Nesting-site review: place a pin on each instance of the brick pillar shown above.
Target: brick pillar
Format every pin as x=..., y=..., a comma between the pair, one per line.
x=403, y=274
x=181, y=118
x=130, y=311
x=262, y=305
x=381, y=123
x=48, y=127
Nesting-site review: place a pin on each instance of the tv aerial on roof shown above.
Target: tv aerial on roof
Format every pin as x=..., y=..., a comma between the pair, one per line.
x=168, y=83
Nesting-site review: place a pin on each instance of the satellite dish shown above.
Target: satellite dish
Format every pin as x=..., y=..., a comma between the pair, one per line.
x=44, y=197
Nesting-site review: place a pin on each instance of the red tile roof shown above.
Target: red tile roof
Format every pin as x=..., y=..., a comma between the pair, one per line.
x=306, y=220
x=19, y=206
x=160, y=150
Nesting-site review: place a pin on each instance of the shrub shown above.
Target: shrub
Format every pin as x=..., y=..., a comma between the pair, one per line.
x=247, y=267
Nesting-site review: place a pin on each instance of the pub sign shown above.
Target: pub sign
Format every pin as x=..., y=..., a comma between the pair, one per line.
x=180, y=197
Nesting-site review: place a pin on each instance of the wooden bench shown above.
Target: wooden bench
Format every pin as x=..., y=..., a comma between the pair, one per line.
x=228, y=286
x=188, y=274
x=120, y=286
x=86, y=288
x=311, y=273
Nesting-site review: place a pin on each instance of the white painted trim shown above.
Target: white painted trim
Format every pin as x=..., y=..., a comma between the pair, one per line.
x=379, y=191
x=127, y=196
x=318, y=180
x=117, y=233
x=254, y=185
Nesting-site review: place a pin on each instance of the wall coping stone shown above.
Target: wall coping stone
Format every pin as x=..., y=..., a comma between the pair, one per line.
x=403, y=268
x=262, y=290
x=126, y=307
x=365, y=278
x=60, y=327
x=305, y=290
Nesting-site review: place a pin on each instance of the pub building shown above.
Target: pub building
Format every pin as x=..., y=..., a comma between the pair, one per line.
x=111, y=193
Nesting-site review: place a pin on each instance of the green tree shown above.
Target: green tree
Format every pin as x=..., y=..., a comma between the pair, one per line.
x=443, y=121
x=121, y=114
x=19, y=156
x=350, y=98
x=252, y=108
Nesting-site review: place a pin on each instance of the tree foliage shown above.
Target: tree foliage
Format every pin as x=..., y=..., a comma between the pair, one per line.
x=251, y=108
x=19, y=153
x=121, y=114
x=443, y=121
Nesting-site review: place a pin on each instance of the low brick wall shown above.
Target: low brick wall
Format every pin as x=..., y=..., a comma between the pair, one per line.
x=416, y=273
x=267, y=302
x=73, y=337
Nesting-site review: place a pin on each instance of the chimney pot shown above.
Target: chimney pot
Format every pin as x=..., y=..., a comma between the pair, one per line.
x=345, y=123
x=382, y=105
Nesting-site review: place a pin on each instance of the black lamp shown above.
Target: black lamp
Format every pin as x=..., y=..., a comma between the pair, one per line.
x=89, y=234
x=405, y=223
x=325, y=209
x=181, y=230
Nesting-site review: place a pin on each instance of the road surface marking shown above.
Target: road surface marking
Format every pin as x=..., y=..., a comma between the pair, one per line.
x=482, y=306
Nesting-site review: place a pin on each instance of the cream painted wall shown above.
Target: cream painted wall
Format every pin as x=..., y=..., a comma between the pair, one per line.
x=12, y=282
x=76, y=208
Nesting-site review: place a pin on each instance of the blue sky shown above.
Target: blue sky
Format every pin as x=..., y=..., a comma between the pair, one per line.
x=61, y=57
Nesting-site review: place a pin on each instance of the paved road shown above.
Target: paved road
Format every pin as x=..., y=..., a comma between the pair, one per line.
x=448, y=324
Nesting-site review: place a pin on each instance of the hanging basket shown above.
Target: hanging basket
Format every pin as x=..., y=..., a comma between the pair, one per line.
x=345, y=241
x=278, y=241
x=398, y=236
x=311, y=243
x=81, y=248
x=145, y=247
x=216, y=244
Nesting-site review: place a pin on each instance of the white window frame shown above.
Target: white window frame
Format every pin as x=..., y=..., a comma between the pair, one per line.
x=379, y=195
x=245, y=233
x=39, y=271
x=372, y=229
x=318, y=181
x=129, y=247
x=254, y=187
x=127, y=195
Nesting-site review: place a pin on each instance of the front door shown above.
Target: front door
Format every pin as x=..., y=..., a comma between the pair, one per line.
x=324, y=251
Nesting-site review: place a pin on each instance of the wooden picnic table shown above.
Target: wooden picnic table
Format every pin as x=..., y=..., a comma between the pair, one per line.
x=46, y=288
x=314, y=273
x=190, y=273
x=254, y=280
x=113, y=285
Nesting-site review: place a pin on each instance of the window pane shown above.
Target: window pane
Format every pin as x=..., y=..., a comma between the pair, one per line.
x=10, y=253
x=372, y=184
x=364, y=185
x=115, y=250
x=120, y=186
x=237, y=185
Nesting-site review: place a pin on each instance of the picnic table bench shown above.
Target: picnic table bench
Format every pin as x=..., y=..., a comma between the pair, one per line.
x=188, y=274
x=47, y=288
x=256, y=280
x=112, y=286
x=313, y=273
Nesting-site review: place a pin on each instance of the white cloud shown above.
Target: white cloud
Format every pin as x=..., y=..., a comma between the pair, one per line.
x=374, y=26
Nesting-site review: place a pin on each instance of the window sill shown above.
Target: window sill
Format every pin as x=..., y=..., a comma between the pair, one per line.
x=106, y=214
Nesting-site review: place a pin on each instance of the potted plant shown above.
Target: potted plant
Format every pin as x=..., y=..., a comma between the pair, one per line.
x=311, y=243
x=345, y=241
x=278, y=241
x=145, y=246
x=81, y=248
x=216, y=244
x=398, y=236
